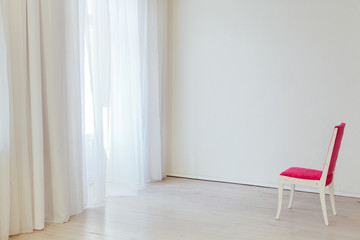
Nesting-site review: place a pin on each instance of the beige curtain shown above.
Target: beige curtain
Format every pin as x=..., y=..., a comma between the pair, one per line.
x=41, y=148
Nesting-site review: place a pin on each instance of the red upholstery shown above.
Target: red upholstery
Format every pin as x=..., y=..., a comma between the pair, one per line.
x=312, y=174
x=304, y=173
x=335, y=153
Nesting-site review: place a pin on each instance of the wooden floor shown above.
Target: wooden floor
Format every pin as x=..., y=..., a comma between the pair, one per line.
x=189, y=209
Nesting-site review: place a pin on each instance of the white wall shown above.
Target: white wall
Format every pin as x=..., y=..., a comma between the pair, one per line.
x=256, y=86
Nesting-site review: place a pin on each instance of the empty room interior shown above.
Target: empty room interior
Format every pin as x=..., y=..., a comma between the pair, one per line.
x=179, y=119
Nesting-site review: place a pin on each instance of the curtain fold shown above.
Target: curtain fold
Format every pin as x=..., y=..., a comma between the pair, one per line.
x=153, y=18
x=36, y=115
x=41, y=149
x=4, y=136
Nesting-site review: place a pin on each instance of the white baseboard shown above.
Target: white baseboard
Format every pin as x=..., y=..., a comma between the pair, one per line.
x=215, y=179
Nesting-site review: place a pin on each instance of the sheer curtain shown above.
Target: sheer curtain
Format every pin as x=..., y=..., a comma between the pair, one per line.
x=41, y=161
x=124, y=95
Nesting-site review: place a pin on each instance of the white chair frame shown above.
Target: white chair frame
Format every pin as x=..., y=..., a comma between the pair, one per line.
x=320, y=184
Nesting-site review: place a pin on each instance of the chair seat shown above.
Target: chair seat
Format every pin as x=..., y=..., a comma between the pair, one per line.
x=306, y=173
x=302, y=173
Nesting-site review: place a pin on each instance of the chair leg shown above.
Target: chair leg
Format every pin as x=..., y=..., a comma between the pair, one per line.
x=332, y=198
x=323, y=205
x=292, y=195
x=280, y=197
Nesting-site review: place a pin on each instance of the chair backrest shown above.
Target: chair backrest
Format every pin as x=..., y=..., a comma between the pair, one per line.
x=333, y=153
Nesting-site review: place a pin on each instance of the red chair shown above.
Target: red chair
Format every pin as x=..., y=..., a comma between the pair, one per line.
x=314, y=178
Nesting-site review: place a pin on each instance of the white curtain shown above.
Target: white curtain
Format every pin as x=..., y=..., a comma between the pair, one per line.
x=124, y=95
x=41, y=163
x=82, y=99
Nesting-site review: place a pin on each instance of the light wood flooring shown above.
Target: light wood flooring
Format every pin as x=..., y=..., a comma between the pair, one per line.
x=190, y=209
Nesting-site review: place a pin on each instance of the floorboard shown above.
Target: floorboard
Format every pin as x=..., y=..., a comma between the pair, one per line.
x=179, y=208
